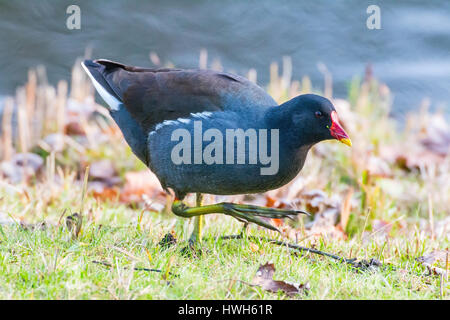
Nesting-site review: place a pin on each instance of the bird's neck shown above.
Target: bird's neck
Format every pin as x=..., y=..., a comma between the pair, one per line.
x=293, y=146
x=280, y=117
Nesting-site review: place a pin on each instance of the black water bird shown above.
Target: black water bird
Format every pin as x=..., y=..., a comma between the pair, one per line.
x=203, y=131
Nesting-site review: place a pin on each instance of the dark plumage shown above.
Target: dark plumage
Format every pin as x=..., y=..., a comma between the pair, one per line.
x=150, y=104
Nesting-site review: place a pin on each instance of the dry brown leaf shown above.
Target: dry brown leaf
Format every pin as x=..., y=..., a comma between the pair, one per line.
x=434, y=256
x=102, y=191
x=73, y=127
x=55, y=142
x=427, y=144
x=102, y=170
x=264, y=279
x=270, y=201
x=22, y=167
x=138, y=184
x=437, y=135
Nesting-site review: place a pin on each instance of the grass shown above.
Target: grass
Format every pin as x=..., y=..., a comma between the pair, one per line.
x=47, y=262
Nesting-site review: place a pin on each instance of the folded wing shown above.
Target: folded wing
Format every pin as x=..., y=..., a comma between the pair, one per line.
x=152, y=96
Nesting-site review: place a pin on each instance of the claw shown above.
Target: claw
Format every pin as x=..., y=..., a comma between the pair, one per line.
x=304, y=212
x=244, y=217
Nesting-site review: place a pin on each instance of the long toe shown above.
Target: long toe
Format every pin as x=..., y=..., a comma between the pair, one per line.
x=247, y=218
x=269, y=212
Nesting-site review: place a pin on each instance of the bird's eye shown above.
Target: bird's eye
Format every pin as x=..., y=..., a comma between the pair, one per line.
x=318, y=114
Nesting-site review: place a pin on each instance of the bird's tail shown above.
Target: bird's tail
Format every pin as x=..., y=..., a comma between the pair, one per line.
x=96, y=72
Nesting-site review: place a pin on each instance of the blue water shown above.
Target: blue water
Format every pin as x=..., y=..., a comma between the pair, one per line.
x=411, y=53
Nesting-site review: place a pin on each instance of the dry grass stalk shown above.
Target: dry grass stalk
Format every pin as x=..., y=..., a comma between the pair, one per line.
x=80, y=88
x=306, y=85
x=287, y=73
x=84, y=191
x=30, y=90
x=154, y=58
x=346, y=209
x=430, y=215
x=49, y=112
x=252, y=75
x=203, y=59
x=23, y=123
x=7, y=138
x=61, y=102
x=274, y=88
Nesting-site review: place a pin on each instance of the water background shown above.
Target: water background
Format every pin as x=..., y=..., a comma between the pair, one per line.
x=411, y=53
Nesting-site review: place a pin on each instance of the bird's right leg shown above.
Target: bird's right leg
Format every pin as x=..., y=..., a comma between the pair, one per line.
x=242, y=212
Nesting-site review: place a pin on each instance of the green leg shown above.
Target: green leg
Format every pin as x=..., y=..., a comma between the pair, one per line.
x=242, y=212
x=198, y=226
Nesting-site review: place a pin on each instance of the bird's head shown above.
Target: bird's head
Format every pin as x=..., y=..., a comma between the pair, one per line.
x=313, y=118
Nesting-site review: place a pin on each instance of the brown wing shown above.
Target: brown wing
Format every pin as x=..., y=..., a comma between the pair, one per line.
x=152, y=96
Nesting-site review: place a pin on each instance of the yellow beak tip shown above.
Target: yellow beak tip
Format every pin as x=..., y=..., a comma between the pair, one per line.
x=346, y=141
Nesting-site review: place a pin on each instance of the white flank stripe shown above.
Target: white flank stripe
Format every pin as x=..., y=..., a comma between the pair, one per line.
x=113, y=103
x=165, y=123
x=202, y=115
x=182, y=120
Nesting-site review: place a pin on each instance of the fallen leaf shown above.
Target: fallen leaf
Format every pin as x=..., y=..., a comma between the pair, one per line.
x=74, y=128
x=55, y=142
x=139, y=183
x=427, y=143
x=314, y=200
x=105, y=181
x=264, y=279
x=102, y=170
x=22, y=167
x=100, y=191
x=434, y=256
x=274, y=203
x=437, y=135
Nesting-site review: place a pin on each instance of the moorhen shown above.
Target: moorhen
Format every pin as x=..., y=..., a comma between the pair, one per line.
x=203, y=131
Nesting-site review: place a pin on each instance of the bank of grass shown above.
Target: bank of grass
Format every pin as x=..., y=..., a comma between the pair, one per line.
x=47, y=262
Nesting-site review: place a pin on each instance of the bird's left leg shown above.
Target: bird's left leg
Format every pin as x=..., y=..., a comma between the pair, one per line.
x=198, y=220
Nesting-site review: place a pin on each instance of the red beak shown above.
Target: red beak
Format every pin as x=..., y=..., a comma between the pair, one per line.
x=337, y=132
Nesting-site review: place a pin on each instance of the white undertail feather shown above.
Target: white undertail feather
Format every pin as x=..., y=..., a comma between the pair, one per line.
x=112, y=101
